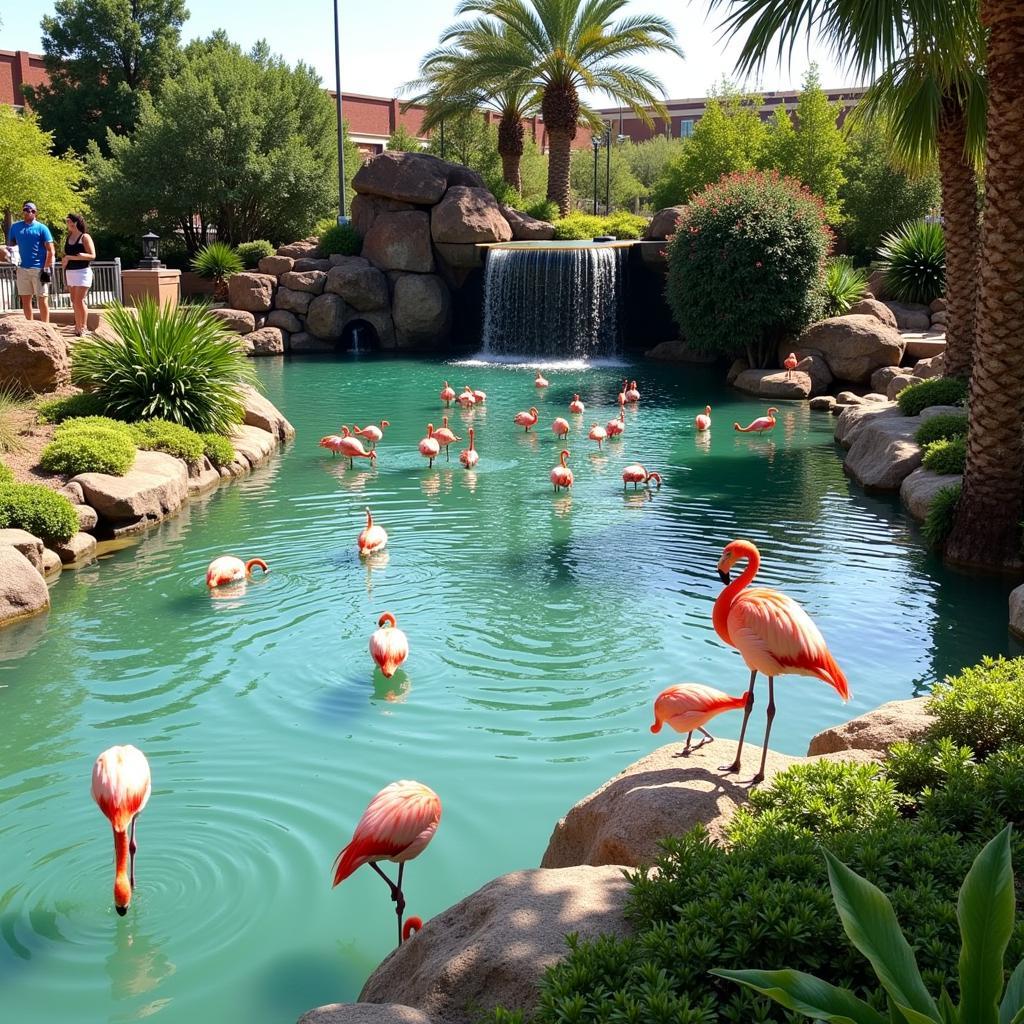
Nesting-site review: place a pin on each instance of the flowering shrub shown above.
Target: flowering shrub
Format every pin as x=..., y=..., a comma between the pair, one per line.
x=746, y=266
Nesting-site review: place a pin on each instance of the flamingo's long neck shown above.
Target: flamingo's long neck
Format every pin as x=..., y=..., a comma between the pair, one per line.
x=122, y=886
x=471, y=448
x=720, y=615
x=369, y=519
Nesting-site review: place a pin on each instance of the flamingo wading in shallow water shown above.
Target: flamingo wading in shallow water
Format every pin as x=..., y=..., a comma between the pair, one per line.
x=430, y=448
x=687, y=707
x=576, y=406
x=616, y=426
x=121, y=786
x=467, y=399
x=447, y=394
x=636, y=474
x=773, y=633
x=597, y=434
x=526, y=419
x=540, y=381
x=702, y=421
x=561, y=475
x=761, y=425
x=469, y=457
x=632, y=395
x=228, y=569
x=389, y=646
x=480, y=396
x=445, y=437
x=397, y=825
x=372, y=434
x=560, y=427
x=372, y=538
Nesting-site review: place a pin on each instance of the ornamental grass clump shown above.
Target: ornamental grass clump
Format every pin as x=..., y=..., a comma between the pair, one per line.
x=935, y=391
x=844, y=285
x=41, y=511
x=938, y=522
x=913, y=260
x=217, y=262
x=180, y=364
x=12, y=402
x=746, y=266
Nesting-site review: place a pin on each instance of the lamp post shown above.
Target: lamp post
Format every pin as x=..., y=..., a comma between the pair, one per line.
x=342, y=219
x=608, y=170
x=595, y=141
x=150, y=252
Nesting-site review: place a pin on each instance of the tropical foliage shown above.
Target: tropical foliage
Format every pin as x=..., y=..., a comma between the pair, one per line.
x=250, y=253
x=945, y=426
x=914, y=262
x=946, y=456
x=586, y=226
x=939, y=519
x=844, y=285
x=217, y=261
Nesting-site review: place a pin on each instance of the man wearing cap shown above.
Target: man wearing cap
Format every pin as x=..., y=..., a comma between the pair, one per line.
x=35, y=248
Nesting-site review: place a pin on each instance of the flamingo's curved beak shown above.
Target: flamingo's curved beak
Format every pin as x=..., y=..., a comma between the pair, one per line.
x=121, y=911
x=723, y=574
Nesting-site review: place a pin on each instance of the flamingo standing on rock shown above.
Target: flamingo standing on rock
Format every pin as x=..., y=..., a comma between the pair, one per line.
x=560, y=427
x=467, y=399
x=687, y=707
x=430, y=448
x=121, y=786
x=372, y=434
x=372, y=538
x=702, y=421
x=469, y=456
x=636, y=474
x=576, y=406
x=540, y=381
x=561, y=475
x=762, y=425
x=632, y=395
x=790, y=363
x=774, y=635
x=397, y=826
x=445, y=437
x=447, y=394
x=389, y=646
x=526, y=419
x=228, y=569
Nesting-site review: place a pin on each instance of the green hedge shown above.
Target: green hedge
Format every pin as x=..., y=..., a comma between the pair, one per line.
x=218, y=449
x=946, y=456
x=945, y=426
x=251, y=253
x=582, y=226
x=90, y=444
x=342, y=239
x=42, y=512
x=172, y=438
x=936, y=391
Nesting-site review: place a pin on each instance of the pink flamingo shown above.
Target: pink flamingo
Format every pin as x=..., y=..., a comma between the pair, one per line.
x=467, y=399
x=389, y=646
x=761, y=425
x=352, y=448
x=228, y=569
x=480, y=396
x=372, y=538
x=526, y=419
x=121, y=786
x=469, y=456
x=702, y=421
x=430, y=448
x=397, y=826
x=621, y=399
x=632, y=395
x=445, y=437
x=560, y=427
x=561, y=475
x=576, y=406
x=332, y=442
x=774, y=635
x=616, y=426
x=597, y=434
x=790, y=363
x=540, y=381
x=371, y=433
x=687, y=707
x=636, y=474
x=447, y=394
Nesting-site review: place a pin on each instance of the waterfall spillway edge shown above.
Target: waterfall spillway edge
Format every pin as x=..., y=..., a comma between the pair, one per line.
x=553, y=301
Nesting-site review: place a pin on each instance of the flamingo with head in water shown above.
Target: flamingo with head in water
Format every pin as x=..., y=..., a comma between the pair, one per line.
x=444, y=437
x=761, y=425
x=561, y=475
x=467, y=399
x=480, y=396
x=352, y=448
x=576, y=406
x=372, y=538
x=430, y=448
x=526, y=419
x=121, y=786
x=397, y=826
x=636, y=474
x=469, y=456
x=389, y=646
x=560, y=427
x=597, y=434
x=702, y=421
x=774, y=635
x=687, y=707
x=447, y=394
x=371, y=433
x=228, y=569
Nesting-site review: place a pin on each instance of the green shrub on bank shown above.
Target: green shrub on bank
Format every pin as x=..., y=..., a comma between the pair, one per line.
x=946, y=426
x=90, y=444
x=56, y=410
x=42, y=512
x=6, y=475
x=623, y=224
x=938, y=523
x=172, y=438
x=913, y=260
x=946, y=456
x=935, y=391
x=218, y=449
x=543, y=209
x=342, y=239
x=844, y=285
x=250, y=253
x=583, y=226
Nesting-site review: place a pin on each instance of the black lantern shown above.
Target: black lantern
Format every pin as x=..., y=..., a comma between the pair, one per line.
x=150, y=252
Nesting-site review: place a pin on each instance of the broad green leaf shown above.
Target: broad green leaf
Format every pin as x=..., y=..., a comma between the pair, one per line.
x=870, y=922
x=1013, y=998
x=807, y=995
x=1018, y=1017
x=985, y=910
x=913, y=1017
x=947, y=1010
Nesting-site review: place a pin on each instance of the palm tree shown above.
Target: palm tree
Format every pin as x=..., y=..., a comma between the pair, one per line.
x=557, y=47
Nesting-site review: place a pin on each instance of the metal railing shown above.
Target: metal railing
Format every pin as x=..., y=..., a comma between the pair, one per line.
x=106, y=286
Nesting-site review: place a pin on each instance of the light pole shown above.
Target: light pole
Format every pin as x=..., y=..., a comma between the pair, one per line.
x=342, y=219
x=595, y=141
x=608, y=170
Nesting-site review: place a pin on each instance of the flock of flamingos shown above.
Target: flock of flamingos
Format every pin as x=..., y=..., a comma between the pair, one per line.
x=774, y=635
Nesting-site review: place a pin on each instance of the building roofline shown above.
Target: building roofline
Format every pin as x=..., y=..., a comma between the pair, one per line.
x=854, y=91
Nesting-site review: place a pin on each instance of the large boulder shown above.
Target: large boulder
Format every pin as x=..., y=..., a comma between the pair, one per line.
x=241, y=321
x=664, y=223
x=932, y=366
x=855, y=418
x=23, y=541
x=400, y=241
x=460, y=255
x=493, y=947
x=468, y=215
x=662, y=794
x=267, y=341
x=526, y=228
x=381, y=322
x=366, y=209
x=260, y=412
x=303, y=341
x=293, y=301
x=252, y=292
x=155, y=486
x=774, y=383
x=899, y=383
x=365, y=1013
x=421, y=308
x=885, y=452
x=911, y=316
x=306, y=264
x=881, y=377
x=677, y=351
x=306, y=248
x=918, y=491
x=409, y=177
x=853, y=346
x=899, y=721
x=326, y=316
x=1017, y=612
x=275, y=265
x=23, y=591
x=285, y=321
x=359, y=283
x=873, y=307
x=253, y=444
x=33, y=355
x=311, y=281
x=78, y=549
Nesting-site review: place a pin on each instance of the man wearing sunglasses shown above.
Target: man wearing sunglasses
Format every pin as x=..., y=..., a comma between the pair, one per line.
x=36, y=252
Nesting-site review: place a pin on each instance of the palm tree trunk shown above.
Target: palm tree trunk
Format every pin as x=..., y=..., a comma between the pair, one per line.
x=960, y=227
x=986, y=533
x=510, y=148
x=560, y=108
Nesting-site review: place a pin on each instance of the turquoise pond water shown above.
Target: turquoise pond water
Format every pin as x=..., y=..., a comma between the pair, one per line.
x=541, y=629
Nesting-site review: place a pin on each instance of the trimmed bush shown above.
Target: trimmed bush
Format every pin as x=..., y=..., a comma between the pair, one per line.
x=578, y=226
x=218, y=449
x=342, y=239
x=938, y=523
x=746, y=265
x=936, y=391
x=250, y=253
x=625, y=225
x=42, y=512
x=88, y=452
x=946, y=456
x=183, y=365
x=844, y=285
x=6, y=475
x=172, y=438
x=942, y=428
x=56, y=410
x=913, y=260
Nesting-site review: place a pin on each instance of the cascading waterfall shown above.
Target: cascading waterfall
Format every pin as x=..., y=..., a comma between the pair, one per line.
x=559, y=301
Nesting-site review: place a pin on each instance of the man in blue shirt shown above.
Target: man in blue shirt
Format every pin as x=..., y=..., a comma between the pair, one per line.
x=36, y=253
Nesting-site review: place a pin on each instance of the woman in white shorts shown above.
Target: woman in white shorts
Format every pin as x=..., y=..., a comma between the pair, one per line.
x=79, y=252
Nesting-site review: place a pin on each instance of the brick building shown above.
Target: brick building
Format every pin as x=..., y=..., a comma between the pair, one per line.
x=18, y=68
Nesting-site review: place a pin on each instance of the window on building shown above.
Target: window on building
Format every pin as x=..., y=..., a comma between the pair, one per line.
x=686, y=128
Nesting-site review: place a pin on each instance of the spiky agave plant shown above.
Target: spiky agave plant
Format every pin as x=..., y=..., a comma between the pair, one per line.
x=179, y=364
x=844, y=285
x=218, y=261
x=914, y=261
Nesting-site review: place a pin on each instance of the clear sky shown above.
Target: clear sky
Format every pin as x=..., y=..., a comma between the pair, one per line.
x=383, y=40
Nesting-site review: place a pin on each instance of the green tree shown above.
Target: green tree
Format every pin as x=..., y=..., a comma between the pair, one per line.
x=32, y=171
x=625, y=190
x=649, y=159
x=469, y=140
x=729, y=137
x=401, y=140
x=238, y=142
x=101, y=57
x=558, y=47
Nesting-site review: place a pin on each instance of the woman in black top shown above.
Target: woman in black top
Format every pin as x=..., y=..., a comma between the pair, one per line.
x=79, y=252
